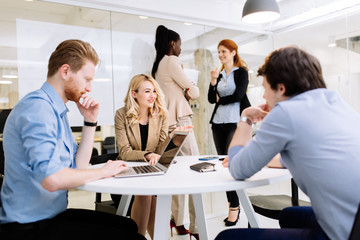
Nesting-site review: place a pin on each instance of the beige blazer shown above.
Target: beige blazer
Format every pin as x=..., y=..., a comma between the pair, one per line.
x=173, y=81
x=129, y=140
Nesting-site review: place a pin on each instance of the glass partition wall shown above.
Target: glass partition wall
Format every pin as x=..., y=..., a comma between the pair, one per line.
x=335, y=43
x=124, y=42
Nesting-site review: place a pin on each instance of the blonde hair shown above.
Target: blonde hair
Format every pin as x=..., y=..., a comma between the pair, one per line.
x=132, y=107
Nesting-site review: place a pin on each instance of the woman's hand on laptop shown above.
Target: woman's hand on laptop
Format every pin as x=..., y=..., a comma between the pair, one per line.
x=182, y=129
x=152, y=158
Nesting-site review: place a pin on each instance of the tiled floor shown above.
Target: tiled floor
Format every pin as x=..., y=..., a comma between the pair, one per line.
x=215, y=224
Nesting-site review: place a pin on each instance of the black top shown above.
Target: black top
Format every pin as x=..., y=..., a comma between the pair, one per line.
x=241, y=78
x=144, y=132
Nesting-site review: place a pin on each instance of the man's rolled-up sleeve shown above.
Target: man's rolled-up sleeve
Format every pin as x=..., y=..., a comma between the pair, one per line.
x=271, y=138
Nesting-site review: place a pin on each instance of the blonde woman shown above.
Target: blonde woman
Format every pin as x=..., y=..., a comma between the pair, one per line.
x=141, y=128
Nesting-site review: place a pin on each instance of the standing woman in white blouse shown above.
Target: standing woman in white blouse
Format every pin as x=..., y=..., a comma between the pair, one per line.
x=228, y=91
x=178, y=89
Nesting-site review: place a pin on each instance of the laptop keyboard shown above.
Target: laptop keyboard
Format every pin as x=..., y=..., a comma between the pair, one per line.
x=146, y=169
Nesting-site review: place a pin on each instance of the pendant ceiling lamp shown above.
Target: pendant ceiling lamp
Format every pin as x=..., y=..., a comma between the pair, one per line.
x=260, y=11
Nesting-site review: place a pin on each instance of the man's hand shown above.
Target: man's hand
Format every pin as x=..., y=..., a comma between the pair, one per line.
x=225, y=162
x=111, y=168
x=89, y=108
x=275, y=162
x=243, y=135
x=256, y=114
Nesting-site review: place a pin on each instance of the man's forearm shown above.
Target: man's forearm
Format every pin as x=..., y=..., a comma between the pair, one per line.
x=83, y=154
x=69, y=178
x=242, y=135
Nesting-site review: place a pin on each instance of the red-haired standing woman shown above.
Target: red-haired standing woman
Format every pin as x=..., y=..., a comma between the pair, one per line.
x=228, y=91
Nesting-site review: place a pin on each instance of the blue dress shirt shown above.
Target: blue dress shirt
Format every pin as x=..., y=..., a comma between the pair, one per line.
x=229, y=113
x=37, y=143
x=318, y=137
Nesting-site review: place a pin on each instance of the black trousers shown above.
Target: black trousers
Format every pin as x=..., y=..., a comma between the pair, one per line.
x=75, y=224
x=222, y=134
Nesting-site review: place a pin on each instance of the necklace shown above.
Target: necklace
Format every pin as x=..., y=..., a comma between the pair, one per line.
x=142, y=122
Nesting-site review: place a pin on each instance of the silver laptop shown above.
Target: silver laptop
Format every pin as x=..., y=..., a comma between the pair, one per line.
x=172, y=148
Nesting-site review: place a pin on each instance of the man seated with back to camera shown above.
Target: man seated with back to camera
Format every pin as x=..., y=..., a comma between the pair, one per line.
x=42, y=160
x=318, y=137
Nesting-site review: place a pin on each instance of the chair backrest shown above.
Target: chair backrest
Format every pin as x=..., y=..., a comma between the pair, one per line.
x=4, y=113
x=109, y=145
x=294, y=193
x=109, y=140
x=355, y=231
x=103, y=158
x=2, y=163
x=95, y=152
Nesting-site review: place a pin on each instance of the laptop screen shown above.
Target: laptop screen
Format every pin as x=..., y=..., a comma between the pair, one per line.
x=172, y=148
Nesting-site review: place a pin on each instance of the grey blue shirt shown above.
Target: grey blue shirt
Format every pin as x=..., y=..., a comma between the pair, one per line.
x=37, y=143
x=318, y=137
x=228, y=113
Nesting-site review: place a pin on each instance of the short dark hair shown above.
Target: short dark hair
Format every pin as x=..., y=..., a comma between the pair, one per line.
x=73, y=52
x=298, y=70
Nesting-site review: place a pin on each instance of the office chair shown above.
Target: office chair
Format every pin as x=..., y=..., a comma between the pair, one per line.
x=109, y=145
x=105, y=206
x=2, y=163
x=95, y=152
x=355, y=231
x=4, y=113
x=271, y=205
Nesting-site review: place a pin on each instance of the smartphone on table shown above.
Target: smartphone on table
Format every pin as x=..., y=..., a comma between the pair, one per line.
x=207, y=158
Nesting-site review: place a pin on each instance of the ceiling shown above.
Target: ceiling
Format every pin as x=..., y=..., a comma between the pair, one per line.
x=220, y=17
x=215, y=18
x=309, y=22
x=226, y=13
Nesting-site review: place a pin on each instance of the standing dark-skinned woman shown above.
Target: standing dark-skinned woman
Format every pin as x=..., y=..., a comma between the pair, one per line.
x=178, y=89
